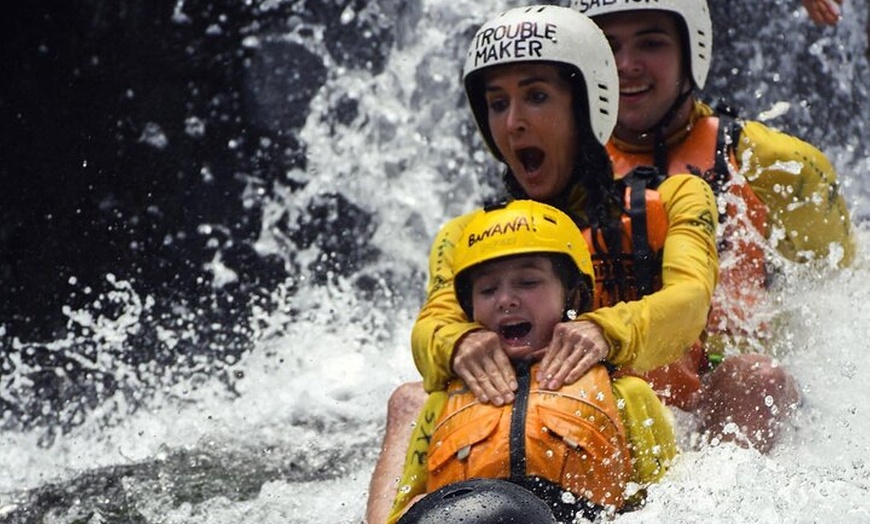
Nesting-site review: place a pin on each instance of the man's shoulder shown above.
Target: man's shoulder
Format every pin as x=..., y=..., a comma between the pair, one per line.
x=769, y=145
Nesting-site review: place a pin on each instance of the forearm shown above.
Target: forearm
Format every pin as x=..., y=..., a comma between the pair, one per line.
x=657, y=329
x=441, y=322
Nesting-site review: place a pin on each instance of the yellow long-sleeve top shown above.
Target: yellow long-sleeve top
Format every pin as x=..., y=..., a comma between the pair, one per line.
x=793, y=179
x=643, y=334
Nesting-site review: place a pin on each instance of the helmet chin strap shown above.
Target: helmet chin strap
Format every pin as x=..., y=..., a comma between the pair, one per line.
x=660, y=150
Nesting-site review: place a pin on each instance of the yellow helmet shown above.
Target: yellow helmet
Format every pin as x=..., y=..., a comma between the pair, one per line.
x=522, y=227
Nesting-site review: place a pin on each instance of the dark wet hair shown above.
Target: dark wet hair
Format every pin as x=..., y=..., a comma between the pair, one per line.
x=479, y=501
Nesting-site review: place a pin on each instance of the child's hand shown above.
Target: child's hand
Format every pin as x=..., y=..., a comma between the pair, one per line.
x=575, y=348
x=823, y=12
x=482, y=364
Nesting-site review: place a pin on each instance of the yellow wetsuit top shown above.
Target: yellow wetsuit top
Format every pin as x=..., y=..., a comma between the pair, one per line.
x=799, y=186
x=643, y=334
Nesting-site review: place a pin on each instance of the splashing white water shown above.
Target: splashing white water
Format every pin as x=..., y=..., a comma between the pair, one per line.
x=317, y=382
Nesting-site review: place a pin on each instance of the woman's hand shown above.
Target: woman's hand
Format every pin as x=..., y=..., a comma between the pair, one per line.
x=575, y=348
x=823, y=12
x=482, y=364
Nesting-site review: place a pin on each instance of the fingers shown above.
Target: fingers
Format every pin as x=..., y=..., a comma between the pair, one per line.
x=583, y=365
x=488, y=383
x=575, y=348
x=485, y=368
x=559, y=352
x=576, y=360
x=823, y=12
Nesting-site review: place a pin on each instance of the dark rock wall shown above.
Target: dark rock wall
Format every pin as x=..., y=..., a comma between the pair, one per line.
x=131, y=131
x=781, y=56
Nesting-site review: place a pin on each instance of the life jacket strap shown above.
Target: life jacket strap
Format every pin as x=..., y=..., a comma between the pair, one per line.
x=518, y=422
x=638, y=181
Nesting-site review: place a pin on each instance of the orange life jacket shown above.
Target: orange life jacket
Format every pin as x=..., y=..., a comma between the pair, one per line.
x=743, y=274
x=573, y=437
x=630, y=267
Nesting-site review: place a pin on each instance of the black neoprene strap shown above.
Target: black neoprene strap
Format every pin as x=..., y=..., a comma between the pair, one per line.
x=721, y=174
x=518, y=423
x=641, y=252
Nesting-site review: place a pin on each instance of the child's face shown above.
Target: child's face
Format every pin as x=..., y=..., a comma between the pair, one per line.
x=520, y=298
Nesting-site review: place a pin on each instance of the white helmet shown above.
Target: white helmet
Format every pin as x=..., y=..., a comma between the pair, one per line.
x=545, y=33
x=694, y=13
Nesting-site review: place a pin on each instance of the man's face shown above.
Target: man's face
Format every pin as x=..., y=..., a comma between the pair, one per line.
x=649, y=58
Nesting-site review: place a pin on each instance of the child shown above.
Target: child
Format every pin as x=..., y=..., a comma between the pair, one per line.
x=521, y=269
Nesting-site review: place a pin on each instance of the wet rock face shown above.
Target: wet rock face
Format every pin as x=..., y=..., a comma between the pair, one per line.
x=782, y=56
x=119, y=124
x=129, y=493
x=135, y=134
x=133, y=128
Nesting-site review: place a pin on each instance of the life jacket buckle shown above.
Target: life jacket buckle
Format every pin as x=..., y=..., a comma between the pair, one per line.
x=645, y=172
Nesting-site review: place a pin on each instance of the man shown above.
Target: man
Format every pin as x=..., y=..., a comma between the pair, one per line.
x=775, y=189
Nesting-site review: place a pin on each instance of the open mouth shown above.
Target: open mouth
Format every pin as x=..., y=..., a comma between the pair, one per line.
x=515, y=332
x=531, y=158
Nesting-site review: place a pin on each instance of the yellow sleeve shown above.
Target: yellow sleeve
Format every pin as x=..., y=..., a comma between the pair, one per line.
x=649, y=428
x=657, y=329
x=441, y=322
x=799, y=186
x=416, y=472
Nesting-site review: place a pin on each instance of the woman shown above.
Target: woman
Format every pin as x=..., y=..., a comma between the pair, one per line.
x=543, y=89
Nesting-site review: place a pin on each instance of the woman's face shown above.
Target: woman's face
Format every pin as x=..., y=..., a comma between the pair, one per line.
x=532, y=124
x=648, y=52
x=522, y=299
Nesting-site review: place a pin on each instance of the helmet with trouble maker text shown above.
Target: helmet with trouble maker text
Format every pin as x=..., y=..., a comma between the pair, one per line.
x=546, y=33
